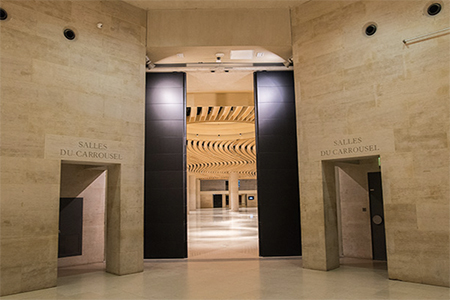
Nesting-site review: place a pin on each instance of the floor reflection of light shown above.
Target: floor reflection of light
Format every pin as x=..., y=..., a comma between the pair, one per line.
x=220, y=233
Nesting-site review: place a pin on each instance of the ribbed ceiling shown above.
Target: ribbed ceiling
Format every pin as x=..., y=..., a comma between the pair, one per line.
x=220, y=140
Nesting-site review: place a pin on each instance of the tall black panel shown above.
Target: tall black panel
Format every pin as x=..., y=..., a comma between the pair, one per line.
x=377, y=216
x=276, y=145
x=165, y=231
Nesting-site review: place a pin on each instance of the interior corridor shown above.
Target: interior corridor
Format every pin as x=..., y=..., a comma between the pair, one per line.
x=218, y=233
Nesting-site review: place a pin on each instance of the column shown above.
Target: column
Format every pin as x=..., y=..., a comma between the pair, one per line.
x=192, y=192
x=199, y=200
x=187, y=194
x=233, y=189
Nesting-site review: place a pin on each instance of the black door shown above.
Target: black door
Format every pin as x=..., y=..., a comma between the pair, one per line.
x=165, y=231
x=276, y=159
x=217, y=200
x=377, y=216
x=70, y=227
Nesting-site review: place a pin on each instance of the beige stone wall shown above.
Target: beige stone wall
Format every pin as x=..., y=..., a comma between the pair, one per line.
x=206, y=199
x=174, y=31
x=376, y=96
x=89, y=183
x=56, y=93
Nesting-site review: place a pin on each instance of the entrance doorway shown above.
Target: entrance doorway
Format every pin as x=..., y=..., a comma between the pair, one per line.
x=83, y=217
x=167, y=147
x=360, y=208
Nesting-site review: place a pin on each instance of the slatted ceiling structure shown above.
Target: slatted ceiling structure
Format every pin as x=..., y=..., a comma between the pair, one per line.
x=220, y=113
x=212, y=156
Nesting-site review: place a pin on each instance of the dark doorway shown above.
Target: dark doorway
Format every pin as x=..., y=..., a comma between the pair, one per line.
x=377, y=216
x=217, y=201
x=70, y=227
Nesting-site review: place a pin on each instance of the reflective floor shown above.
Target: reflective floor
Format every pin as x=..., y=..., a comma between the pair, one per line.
x=234, y=279
x=218, y=233
x=224, y=264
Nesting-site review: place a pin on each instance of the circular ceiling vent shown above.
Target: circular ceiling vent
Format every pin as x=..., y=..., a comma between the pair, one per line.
x=370, y=29
x=434, y=8
x=69, y=34
x=3, y=14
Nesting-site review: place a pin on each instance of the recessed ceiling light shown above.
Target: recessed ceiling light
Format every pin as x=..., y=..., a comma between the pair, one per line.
x=260, y=54
x=180, y=55
x=241, y=54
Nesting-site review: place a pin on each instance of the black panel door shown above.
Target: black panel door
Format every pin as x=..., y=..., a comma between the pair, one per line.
x=217, y=201
x=377, y=216
x=70, y=227
x=276, y=146
x=165, y=231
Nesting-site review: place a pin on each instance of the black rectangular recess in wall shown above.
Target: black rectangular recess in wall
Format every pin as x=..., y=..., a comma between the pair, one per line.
x=165, y=231
x=70, y=242
x=276, y=159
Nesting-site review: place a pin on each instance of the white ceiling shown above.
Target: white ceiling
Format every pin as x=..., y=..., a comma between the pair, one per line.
x=207, y=82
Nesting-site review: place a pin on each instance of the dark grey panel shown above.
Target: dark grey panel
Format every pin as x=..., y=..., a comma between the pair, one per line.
x=276, y=144
x=276, y=110
x=165, y=112
x=277, y=178
x=164, y=81
x=165, y=162
x=271, y=143
x=269, y=127
x=276, y=79
x=278, y=160
x=377, y=211
x=164, y=145
x=70, y=242
x=165, y=167
x=170, y=95
x=275, y=94
x=166, y=128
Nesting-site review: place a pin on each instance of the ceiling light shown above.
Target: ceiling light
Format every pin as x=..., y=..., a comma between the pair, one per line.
x=180, y=55
x=260, y=54
x=241, y=54
x=219, y=57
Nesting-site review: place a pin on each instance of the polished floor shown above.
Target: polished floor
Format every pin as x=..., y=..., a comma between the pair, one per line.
x=233, y=271
x=218, y=233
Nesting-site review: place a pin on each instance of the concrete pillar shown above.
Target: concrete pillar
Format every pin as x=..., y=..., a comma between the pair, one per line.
x=199, y=200
x=233, y=189
x=192, y=192
x=224, y=201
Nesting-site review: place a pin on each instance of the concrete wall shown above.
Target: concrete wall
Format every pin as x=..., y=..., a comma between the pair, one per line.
x=248, y=184
x=79, y=100
x=206, y=198
x=354, y=207
x=88, y=182
x=213, y=185
x=375, y=96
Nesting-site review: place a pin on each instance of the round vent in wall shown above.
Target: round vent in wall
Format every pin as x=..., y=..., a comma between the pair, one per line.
x=370, y=29
x=3, y=14
x=434, y=8
x=69, y=34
